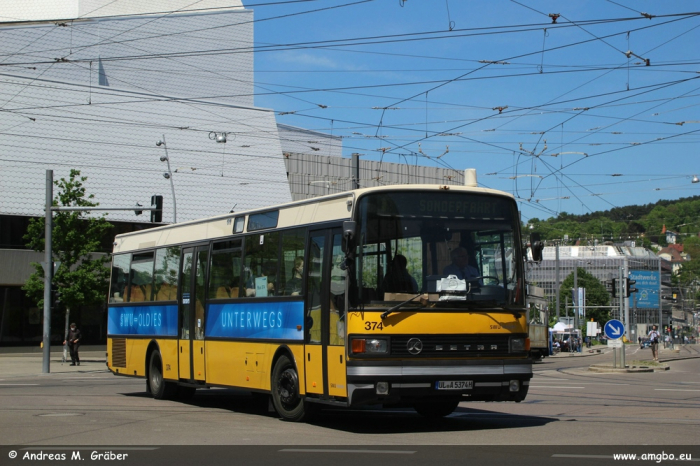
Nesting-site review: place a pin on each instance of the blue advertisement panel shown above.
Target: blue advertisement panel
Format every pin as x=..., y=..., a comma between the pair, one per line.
x=648, y=285
x=143, y=320
x=270, y=320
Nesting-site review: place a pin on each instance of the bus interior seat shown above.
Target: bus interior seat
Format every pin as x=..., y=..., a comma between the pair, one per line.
x=224, y=292
x=137, y=294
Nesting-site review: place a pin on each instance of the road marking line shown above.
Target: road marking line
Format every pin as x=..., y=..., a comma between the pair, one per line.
x=17, y=384
x=674, y=390
x=323, y=450
x=553, y=386
x=609, y=383
x=91, y=378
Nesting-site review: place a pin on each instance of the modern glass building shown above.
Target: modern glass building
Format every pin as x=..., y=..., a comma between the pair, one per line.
x=608, y=262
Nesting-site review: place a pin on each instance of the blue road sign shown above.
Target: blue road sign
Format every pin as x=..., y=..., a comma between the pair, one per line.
x=614, y=329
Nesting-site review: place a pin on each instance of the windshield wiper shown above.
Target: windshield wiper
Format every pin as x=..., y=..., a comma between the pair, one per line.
x=398, y=306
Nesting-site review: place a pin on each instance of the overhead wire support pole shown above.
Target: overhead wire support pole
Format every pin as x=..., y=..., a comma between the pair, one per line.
x=166, y=158
x=48, y=274
x=48, y=259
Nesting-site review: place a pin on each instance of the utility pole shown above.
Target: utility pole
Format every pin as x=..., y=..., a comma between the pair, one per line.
x=576, y=296
x=660, y=301
x=626, y=304
x=556, y=277
x=621, y=294
x=355, y=171
x=48, y=272
x=49, y=264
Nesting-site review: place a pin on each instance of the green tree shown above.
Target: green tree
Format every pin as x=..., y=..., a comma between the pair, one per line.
x=596, y=295
x=82, y=278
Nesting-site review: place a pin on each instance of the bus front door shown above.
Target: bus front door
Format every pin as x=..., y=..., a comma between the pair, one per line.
x=192, y=300
x=325, y=368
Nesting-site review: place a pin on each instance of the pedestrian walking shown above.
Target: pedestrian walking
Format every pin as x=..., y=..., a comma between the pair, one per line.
x=73, y=341
x=654, y=340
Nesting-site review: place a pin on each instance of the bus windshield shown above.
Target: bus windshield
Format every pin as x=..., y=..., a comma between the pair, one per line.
x=459, y=249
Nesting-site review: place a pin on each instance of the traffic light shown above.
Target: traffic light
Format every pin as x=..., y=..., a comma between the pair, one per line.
x=630, y=288
x=614, y=287
x=157, y=215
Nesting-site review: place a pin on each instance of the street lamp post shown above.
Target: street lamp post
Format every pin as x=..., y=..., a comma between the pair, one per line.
x=168, y=175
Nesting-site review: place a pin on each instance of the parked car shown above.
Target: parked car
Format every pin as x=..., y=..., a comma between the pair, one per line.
x=646, y=343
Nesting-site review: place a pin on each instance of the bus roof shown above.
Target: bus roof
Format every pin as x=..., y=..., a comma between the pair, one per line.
x=331, y=207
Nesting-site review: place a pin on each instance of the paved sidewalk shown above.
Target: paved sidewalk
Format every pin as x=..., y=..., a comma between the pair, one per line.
x=665, y=354
x=28, y=361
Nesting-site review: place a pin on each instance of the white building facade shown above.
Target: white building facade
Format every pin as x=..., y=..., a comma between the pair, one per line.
x=93, y=85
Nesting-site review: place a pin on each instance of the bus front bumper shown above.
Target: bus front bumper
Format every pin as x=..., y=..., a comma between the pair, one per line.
x=391, y=382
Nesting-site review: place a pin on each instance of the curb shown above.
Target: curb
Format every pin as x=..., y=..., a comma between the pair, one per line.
x=600, y=368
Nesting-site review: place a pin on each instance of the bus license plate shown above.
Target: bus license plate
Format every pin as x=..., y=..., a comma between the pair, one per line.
x=454, y=385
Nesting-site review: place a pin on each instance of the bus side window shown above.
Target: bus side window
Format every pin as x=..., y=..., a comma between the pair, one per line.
x=141, y=272
x=120, y=278
x=165, y=277
x=225, y=271
x=260, y=264
x=292, y=262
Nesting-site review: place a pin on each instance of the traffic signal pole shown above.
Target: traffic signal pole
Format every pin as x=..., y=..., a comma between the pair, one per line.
x=622, y=315
x=48, y=272
x=48, y=257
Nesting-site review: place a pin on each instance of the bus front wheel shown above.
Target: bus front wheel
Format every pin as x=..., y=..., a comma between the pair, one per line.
x=436, y=409
x=159, y=388
x=285, y=391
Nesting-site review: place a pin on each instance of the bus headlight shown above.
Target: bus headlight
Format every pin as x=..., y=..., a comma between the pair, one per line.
x=519, y=345
x=370, y=345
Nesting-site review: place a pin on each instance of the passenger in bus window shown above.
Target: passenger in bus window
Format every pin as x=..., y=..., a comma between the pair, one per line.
x=293, y=286
x=397, y=278
x=266, y=280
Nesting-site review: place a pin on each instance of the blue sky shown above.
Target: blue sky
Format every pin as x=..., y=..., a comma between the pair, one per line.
x=493, y=80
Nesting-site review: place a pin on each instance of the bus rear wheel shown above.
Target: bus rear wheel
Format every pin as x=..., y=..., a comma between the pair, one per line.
x=285, y=391
x=159, y=388
x=436, y=409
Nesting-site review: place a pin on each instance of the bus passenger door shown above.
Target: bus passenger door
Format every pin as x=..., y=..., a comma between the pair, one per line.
x=325, y=343
x=192, y=301
x=335, y=351
x=313, y=350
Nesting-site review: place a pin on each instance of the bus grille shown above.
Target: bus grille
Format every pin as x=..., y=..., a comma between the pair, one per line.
x=435, y=346
x=119, y=352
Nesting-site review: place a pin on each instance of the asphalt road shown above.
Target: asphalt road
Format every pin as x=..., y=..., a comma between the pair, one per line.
x=567, y=405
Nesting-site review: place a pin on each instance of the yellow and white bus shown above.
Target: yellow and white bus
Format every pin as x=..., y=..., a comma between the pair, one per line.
x=344, y=300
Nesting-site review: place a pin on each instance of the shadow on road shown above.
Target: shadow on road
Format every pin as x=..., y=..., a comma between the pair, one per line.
x=366, y=420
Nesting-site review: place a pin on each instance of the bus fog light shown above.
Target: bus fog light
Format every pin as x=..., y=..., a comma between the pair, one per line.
x=382, y=388
x=514, y=386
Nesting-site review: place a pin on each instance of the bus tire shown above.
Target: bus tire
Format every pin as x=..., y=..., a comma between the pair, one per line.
x=436, y=409
x=159, y=388
x=284, y=385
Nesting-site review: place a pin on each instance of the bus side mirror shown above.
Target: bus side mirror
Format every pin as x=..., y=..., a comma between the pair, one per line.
x=348, y=235
x=536, y=246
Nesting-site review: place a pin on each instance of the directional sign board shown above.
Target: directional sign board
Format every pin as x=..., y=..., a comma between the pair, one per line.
x=615, y=343
x=614, y=329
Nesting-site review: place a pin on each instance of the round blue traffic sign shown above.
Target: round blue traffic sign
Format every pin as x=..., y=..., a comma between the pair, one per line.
x=614, y=329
